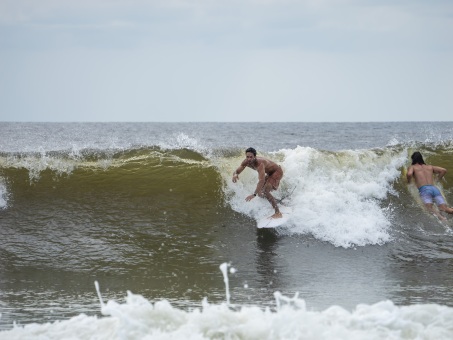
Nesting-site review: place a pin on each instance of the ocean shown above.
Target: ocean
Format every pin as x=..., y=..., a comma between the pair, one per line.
x=136, y=231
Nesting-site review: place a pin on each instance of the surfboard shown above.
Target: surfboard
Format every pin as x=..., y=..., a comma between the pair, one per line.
x=268, y=222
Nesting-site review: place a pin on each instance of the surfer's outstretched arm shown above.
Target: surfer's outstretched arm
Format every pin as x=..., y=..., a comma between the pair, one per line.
x=238, y=171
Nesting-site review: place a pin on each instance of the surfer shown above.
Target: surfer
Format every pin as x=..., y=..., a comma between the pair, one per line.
x=269, y=176
x=423, y=174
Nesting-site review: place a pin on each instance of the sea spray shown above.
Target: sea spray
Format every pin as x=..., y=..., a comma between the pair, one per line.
x=281, y=301
x=224, y=268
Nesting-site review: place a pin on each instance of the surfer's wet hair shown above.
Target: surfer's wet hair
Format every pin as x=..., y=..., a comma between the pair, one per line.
x=417, y=158
x=252, y=150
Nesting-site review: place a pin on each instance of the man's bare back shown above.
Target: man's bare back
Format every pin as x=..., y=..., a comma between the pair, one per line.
x=423, y=174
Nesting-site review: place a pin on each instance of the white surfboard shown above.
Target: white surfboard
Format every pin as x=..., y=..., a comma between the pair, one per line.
x=268, y=222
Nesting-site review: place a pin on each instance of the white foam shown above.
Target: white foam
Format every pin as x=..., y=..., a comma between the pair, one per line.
x=3, y=194
x=139, y=318
x=337, y=196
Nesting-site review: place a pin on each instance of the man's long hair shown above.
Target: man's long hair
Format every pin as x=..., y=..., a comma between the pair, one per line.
x=252, y=150
x=417, y=158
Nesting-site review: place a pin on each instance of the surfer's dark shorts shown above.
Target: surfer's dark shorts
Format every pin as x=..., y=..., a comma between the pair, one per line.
x=428, y=192
x=275, y=178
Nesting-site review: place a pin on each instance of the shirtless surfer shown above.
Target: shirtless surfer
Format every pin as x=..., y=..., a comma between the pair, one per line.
x=423, y=175
x=269, y=176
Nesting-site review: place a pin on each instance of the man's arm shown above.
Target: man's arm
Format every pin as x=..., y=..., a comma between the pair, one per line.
x=410, y=173
x=439, y=171
x=261, y=179
x=238, y=171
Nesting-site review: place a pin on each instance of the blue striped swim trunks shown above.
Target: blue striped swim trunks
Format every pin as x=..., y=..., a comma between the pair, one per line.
x=428, y=192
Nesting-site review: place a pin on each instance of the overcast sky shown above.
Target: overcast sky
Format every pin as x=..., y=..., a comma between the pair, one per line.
x=226, y=60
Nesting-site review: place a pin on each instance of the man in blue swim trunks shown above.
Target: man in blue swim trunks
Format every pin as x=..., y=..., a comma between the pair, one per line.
x=423, y=174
